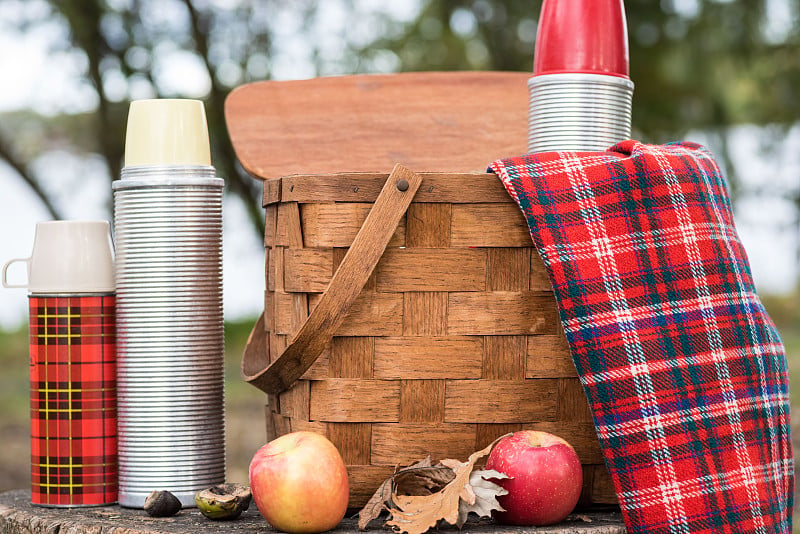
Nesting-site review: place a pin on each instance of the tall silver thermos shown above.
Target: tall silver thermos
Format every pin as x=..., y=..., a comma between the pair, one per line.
x=168, y=236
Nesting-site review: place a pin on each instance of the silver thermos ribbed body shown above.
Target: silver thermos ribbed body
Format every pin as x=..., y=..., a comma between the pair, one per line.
x=578, y=111
x=170, y=343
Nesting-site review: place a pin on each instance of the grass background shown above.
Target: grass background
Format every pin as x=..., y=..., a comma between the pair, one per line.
x=245, y=429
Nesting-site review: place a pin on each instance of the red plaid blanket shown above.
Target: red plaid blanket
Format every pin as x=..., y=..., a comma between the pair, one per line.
x=684, y=371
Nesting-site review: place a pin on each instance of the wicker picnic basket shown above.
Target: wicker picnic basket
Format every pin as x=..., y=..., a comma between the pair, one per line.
x=406, y=315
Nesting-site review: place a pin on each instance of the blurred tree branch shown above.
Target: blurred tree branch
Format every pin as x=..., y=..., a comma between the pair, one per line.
x=84, y=18
x=241, y=185
x=105, y=36
x=703, y=66
x=7, y=154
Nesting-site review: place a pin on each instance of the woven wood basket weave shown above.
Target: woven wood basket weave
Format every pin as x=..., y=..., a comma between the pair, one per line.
x=453, y=340
x=406, y=314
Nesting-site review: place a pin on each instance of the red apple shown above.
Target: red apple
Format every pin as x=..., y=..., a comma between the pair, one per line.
x=547, y=478
x=299, y=483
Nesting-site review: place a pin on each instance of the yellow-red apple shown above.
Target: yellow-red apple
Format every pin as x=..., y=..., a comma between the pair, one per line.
x=547, y=478
x=299, y=483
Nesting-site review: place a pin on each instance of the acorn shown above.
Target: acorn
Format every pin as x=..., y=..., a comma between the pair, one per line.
x=162, y=504
x=223, y=501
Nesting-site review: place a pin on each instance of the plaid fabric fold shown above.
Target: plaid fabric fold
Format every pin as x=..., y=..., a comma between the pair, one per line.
x=684, y=371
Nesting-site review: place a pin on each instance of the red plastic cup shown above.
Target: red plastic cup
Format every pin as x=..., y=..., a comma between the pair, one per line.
x=582, y=36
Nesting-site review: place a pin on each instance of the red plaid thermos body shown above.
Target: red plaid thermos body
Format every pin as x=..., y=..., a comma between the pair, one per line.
x=73, y=400
x=72, y=364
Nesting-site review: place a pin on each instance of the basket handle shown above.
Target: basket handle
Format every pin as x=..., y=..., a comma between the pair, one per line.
x=346, y=284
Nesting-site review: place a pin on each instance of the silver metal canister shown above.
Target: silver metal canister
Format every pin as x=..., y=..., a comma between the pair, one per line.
x=578, y=111
x=170, y=344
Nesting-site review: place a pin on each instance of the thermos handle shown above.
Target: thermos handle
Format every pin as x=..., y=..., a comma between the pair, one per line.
x=5, y=271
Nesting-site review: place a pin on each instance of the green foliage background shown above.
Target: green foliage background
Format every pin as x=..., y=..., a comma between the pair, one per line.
x=699, y=66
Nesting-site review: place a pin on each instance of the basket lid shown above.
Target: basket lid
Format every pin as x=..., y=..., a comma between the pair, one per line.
x=431, y=121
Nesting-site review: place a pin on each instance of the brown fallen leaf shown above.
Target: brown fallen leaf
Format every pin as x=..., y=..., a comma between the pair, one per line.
x=485, y=495
x=375, y=505
x=383, y=495
x=416, y=514
x=422, y=480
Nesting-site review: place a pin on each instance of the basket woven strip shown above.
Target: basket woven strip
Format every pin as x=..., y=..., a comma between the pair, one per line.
x=454, y=340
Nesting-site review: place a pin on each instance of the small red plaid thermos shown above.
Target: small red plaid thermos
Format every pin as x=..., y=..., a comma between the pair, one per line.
x=72, y=364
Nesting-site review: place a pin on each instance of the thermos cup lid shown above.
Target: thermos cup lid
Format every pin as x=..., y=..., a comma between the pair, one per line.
x=167, y=132
x=69, y=257
x=582, y=36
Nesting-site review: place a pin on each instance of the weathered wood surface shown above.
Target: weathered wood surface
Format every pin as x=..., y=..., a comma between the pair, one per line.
x=18, y=516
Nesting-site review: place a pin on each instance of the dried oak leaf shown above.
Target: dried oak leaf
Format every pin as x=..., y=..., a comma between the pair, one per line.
x=375, y=505
x=416, y=514
x=422, y=480
x=484, y=495
x=383, y=495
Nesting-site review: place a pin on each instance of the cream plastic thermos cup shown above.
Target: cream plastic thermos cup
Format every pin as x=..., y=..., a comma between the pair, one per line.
x=68, y=257
x=168, y=233
x=70, y=282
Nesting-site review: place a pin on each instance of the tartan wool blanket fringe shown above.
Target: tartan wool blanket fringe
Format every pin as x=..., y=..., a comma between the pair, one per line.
x=685, y=373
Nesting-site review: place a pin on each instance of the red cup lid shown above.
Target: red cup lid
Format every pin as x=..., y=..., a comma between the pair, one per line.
x=582, y=36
